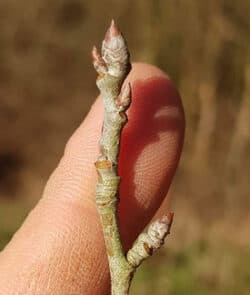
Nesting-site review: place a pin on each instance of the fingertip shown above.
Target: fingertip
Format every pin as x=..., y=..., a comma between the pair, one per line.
x=151, y=145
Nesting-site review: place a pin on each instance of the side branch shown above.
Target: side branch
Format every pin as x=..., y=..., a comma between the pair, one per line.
x=147, y=243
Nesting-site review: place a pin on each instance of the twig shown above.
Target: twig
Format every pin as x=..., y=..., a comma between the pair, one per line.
x=113, y=67
x=147, y=243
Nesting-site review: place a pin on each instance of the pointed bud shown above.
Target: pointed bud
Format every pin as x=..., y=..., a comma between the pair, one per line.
x=168, y=220
x=113, y=31
x=170, y=217
x=124, y=98
x=98, y=62
x=95, y=54
x=159, y=229
x=115, y=52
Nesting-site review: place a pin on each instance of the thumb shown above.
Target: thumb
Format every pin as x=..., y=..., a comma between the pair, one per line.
x=60, y=248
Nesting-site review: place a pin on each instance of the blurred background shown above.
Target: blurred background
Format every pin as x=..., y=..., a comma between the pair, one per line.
x=47, y=85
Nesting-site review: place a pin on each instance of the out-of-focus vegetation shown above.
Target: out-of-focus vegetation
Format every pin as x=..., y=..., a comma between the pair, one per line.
x=47, y=86
x=200, y=269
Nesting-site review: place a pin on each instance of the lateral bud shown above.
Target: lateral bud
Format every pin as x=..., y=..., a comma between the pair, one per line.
x=98, y=62
x=124, y=98
x=158, y=230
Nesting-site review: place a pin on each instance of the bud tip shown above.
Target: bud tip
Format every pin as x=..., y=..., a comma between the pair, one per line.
x=94, y=53
x=112, y=31
x=170, y=217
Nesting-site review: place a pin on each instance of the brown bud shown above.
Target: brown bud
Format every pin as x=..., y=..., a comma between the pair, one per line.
x=98, y=61
x=170, y=217
x=124, y=98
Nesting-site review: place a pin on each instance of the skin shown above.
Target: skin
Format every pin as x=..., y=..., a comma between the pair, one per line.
x=60, y=249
